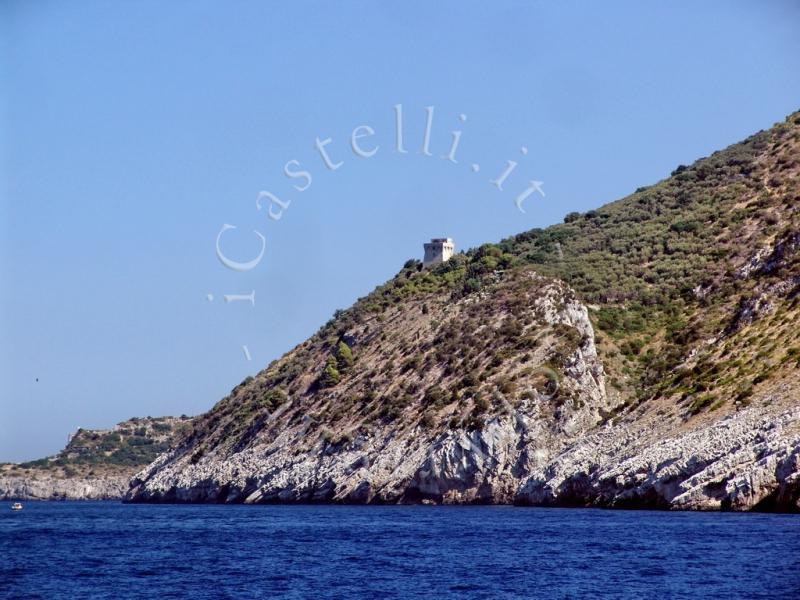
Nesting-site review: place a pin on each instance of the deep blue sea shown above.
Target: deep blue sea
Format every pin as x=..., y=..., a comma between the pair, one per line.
x=111, y=550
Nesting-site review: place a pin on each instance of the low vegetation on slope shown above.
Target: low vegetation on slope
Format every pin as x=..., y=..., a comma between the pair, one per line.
x=681, y=272
x=439, y=358
x=127, y=447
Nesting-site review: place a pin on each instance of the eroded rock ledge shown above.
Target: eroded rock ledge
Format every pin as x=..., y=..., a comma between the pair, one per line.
x=746, y=461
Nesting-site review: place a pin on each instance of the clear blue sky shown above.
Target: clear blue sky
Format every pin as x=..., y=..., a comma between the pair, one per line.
x=132, y=131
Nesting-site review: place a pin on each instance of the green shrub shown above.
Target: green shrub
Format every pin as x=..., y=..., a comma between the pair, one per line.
x=472, y=285
x=470, y=379
x=273, y=398
x=428, y=420
x=685, y=226
x=330, y=374
x=434, y=395
x=480, y=404
x=700, y=402
x=344, y=357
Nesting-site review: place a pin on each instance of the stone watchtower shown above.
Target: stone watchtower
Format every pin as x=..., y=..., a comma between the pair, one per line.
x=438, y=250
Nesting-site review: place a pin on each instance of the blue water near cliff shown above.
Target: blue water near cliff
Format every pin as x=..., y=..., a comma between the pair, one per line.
x=110, y=550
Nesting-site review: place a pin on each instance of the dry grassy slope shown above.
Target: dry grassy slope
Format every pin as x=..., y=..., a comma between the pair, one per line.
x=440, y=394
x=119, y=451
x=428, y=362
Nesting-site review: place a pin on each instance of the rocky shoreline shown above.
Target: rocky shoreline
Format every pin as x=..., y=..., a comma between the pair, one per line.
x=47, y=487
x=743, y=462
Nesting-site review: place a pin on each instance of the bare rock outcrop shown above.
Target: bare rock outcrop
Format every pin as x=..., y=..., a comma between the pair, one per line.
x=746, y=461
x=47, y=487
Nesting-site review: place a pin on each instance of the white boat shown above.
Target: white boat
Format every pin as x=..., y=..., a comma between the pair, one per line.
x=16, y=506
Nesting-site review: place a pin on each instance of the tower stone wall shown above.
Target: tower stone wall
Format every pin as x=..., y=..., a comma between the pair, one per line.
x=438, y=250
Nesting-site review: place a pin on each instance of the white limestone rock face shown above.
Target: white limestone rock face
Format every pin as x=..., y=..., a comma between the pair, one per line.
x=743, y=462
x=455, y=467
x=46, y=487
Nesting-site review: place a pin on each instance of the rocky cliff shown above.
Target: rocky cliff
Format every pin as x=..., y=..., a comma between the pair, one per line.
x=352, y=443
x=745, y=461
x=644, y=354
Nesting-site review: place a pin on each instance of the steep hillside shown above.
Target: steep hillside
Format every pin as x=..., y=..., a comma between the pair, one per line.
x=96, y=463
x=483, y=380
x=680, y=273
x=516, y=359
